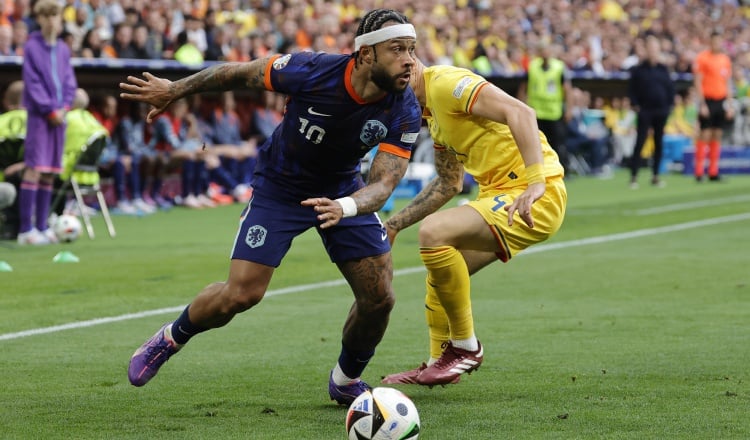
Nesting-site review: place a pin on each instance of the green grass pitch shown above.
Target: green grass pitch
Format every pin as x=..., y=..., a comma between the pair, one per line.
x=631, y=323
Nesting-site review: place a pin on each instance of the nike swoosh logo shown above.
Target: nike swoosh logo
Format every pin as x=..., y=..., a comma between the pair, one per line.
x=313, y=112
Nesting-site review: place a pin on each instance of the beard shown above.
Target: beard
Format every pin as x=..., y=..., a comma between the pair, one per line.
x=384, y=81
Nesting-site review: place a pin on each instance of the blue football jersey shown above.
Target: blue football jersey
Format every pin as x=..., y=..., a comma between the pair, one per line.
x=327, y=128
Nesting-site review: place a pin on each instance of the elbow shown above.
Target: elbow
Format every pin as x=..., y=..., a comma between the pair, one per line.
x=457, y=187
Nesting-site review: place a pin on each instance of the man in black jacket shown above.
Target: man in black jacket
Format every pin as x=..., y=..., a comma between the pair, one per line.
x=651, y=93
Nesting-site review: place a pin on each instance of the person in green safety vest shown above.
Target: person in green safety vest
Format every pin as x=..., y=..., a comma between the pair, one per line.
x=12, y=136
x=546, y=90
x=82, y=129
x=12, y=130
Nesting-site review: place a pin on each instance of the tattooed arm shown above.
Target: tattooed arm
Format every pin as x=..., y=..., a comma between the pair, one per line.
x=160, y=92
x=443, y=187
x=386, y=172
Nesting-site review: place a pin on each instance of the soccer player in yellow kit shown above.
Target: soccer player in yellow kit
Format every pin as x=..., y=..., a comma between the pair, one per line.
x=477, y=128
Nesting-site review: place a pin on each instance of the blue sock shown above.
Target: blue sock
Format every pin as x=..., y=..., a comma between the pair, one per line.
x=188, y=177
x=353, y=363
x=135, y=178
x=200, y=184
x=183, y=329
x=118, y=175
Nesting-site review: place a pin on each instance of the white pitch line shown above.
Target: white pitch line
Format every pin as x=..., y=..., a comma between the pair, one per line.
x=401, y=272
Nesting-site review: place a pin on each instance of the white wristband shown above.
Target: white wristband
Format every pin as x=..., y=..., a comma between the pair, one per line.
x=348, y=205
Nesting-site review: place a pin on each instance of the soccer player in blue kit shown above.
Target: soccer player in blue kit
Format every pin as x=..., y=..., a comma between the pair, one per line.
x=307, y=175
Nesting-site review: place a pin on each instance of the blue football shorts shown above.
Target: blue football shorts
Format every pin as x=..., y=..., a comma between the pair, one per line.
x=269, y=224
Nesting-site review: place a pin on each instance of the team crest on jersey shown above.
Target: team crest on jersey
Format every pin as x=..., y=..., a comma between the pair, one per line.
x=256, y=236
x=280, y=63
x=373, y=132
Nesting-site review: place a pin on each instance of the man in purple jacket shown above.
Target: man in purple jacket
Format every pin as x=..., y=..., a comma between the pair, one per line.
x=50, y=85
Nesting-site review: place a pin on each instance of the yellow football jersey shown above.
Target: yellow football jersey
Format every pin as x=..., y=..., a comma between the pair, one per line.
x=486, y=148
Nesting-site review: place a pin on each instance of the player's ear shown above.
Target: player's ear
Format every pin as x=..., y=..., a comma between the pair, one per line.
x=365, y=54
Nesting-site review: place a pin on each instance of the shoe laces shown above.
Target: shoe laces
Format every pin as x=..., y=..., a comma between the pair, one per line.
x=161, y=346
x=446, y=360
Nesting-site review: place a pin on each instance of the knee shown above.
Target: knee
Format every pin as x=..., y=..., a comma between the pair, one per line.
x=372, y=305
x=240, y=297
x=430, y=234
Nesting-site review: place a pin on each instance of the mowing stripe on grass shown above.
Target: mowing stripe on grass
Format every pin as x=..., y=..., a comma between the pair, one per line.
x=340, y=282
x=692, y=205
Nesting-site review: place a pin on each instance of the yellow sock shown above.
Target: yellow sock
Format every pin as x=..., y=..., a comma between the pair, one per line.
x=448, y=274
x=437, y=322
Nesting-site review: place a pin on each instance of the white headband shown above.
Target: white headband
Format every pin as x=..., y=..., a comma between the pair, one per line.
x=384, y=34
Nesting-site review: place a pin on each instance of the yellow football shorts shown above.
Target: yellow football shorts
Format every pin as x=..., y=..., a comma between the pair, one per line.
x=547, y=212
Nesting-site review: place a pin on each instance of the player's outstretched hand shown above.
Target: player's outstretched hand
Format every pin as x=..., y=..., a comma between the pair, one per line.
x=329, y=211
x=523, y=203
x=149, y=89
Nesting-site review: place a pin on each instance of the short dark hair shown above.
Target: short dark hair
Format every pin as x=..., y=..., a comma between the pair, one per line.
x=374, y=20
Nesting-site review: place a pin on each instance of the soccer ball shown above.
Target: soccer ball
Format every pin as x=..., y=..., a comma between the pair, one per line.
x=67, y=228
x=380, y=414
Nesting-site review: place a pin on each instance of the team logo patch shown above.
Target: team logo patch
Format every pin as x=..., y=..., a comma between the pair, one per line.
x=256, y=236
x=409, y=138
x=373, y=132
x=280, y=63
x=461, y=86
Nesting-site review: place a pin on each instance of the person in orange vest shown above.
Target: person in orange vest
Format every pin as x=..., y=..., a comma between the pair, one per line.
x=712, y=72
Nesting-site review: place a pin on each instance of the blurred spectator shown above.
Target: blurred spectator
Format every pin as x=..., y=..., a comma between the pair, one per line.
x=13, y=129
x=140, y=42
x=13, y=118
x=177, y=138
x=651, y=93
x=132, y=17
x=622, y=123
x=6, y=40
x=587, y=136
x=50, y=84
x=5, y=18
x=219, y=45
x=546, y=91
x=123, y=42
x=91, y=46
x=713, y=78
x=680, y=129
x=158, y=44
x=81, y=127
x=187, y=52
x=114, y=12
x=243, y=50
x=196, y=33
x=20, y=35
x=741, y=128
x=237, y=154
x=78, y=26
x=268, y=116
x=131, y=154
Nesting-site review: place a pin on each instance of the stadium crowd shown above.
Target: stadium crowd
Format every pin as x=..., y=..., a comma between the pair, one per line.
x=493, y=38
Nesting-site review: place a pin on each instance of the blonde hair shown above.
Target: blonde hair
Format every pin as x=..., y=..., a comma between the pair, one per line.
x=47, y=7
